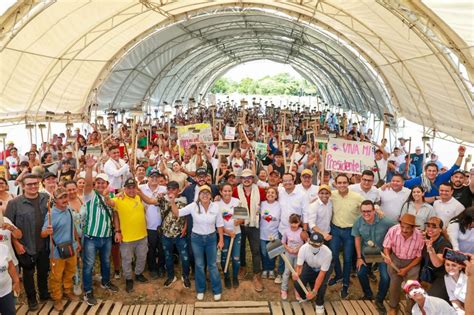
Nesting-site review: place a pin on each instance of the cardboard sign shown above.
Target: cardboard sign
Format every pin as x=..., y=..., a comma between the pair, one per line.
x=261, y=150
x=229, y=133
x=193, y=133
x=345, y=156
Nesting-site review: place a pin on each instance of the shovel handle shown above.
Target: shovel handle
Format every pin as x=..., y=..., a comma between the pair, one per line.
x=229, y=252
x=288, y=264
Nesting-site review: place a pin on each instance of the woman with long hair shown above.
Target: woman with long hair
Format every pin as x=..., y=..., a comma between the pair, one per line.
x=416, y=205
x=5, y=195
x=207, y=218
x=455, y=281
x=461, y=231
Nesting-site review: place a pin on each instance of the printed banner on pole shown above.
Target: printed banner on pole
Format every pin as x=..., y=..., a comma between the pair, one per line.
x=261, y=150
x=229, y=133
x=193, y=133
x=345, y=156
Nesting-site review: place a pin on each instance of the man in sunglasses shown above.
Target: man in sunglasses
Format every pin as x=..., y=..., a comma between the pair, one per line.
x=313, y=267
x=250, y=196
x=369, y=231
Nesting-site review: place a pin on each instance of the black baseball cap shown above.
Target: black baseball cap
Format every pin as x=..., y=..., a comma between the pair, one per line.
x=459, y=171
x=48, y=175
x=172, y=185
x=201, y=171
x=154, y=172
x=316, y=239
x=130, y=182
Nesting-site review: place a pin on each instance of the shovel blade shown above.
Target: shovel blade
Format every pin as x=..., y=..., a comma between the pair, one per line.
x=275, y=248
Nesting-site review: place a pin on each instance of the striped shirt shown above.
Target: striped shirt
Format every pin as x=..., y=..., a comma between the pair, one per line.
x=404, y=248
x=97, y=220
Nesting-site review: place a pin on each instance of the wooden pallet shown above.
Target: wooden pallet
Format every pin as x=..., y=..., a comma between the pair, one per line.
x=232, y=307
x=344, y=307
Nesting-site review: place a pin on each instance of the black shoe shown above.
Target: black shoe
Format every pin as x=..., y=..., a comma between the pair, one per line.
x=110, y=286
x=334, y=281
x=366, y=298
x=186, y=282
x=90, y=299
x=33, y=305
x=154, y=275
x=235, y=283
x=344, y=293
x=380, y=307
x=129, y=286
x=161, y=273
x=141, y=278
x=45, y=298
x=227, y=283
x=169, y=282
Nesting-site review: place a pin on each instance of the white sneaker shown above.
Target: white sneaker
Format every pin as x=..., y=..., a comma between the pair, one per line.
x=264, y=274
x=200, y=296
x=278, y=279
x=217, y=297
x=271, y=275
x=319, y=309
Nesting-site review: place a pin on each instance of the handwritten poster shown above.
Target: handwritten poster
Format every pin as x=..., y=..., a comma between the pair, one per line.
x=193, y=133
x=345, y=156
x=229, y=133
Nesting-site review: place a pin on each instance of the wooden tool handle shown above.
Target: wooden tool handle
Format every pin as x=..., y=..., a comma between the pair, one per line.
x=229, y=253
x=392, y=264
x=288, y=264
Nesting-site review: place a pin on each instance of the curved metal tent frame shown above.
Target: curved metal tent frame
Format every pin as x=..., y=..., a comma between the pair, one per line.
x=375, y=56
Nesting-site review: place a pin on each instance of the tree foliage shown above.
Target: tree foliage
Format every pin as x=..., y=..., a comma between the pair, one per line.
x=279, y=84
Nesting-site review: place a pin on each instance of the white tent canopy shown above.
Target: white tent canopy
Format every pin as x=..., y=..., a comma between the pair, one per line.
x=369, y=56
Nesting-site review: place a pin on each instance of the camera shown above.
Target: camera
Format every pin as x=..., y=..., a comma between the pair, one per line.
x=455, y=256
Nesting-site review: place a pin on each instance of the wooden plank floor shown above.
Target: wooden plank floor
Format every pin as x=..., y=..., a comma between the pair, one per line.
x=344, y=307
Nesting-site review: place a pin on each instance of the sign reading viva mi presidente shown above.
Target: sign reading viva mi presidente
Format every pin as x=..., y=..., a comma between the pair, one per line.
x=345, y=156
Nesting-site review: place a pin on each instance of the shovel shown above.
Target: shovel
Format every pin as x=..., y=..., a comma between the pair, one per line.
x=276, y=248
x=240, y=213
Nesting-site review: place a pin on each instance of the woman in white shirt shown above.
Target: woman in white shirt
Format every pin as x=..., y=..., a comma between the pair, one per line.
x=9, y=282
x=417, y=206
x=461, y=231
x=231, y=230
x=456, y=285
x=207, y=218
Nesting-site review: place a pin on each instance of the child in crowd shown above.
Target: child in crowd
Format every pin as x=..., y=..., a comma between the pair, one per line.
x=269, y=230
x=292, y=239
x=231, y=230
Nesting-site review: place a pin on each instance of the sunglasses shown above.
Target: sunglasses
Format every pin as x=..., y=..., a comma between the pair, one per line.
x=247, y=178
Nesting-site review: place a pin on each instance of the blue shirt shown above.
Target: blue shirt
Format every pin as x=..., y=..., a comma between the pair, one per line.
x=375, y=232
x=441, y=178
x=62, y=224
x=411, y=171
x=417, y=160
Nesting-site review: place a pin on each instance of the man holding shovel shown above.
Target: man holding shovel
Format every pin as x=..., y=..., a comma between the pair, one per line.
x=313, y=267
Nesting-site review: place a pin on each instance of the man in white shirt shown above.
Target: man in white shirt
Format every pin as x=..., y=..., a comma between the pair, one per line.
x=309, y=190
x=397, y=156
x=301, y=158
x=381, y=161
x=116, y=169
x=366, y=187
x=447, y=207
x=153, y=221
x=320, y=213
x=292, y=201
x=313, y=267
x=392, y=199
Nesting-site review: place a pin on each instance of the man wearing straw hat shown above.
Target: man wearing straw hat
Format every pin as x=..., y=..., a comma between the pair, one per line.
x=403, y=246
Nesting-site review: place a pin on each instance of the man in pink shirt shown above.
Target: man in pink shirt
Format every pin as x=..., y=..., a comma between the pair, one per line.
x=402, y=247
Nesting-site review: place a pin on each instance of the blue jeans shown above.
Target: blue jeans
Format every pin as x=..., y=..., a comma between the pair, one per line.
x=235, y=255
x=90, y=246
x=182, y=246
x=384, y=283
x=308, y=277
x=267, y=262
x=281, y=262
x=205, y=248
x=342, y=237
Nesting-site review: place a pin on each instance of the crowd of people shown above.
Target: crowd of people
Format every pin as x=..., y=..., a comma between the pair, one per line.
x=146, y=204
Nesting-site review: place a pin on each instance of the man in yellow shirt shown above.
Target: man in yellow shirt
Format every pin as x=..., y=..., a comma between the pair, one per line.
x=346, y=209
x=130, y=232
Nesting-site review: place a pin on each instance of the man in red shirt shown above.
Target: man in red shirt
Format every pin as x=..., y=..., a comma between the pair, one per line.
x=250, y=196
